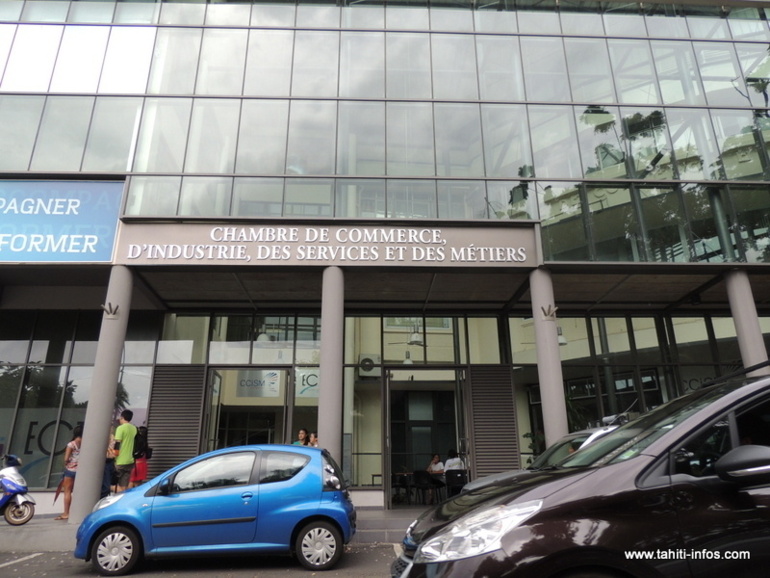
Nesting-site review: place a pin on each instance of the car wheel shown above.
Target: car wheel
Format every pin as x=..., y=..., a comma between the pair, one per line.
x=18, y=514
x=116, y=551
x=318, y=546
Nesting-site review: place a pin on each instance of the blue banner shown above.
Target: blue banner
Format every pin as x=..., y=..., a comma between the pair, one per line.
x=58, y=221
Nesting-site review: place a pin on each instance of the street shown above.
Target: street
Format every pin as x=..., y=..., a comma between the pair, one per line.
x=360, y=561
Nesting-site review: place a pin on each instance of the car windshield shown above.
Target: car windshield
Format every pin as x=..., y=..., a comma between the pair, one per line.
x=558, y=451
x=630, y=440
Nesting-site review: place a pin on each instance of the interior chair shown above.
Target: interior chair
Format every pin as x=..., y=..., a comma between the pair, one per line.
x=401, y=485
x=455, y=480
x=423, y=483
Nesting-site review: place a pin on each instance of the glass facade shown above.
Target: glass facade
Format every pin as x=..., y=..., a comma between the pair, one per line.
x=635, y=132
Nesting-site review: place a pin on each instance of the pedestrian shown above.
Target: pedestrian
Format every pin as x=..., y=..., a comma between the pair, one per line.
x=71, y=457
x=142, y=452
x=124, y=449
x=109, y=466
x=302, y=437
x=313, y=439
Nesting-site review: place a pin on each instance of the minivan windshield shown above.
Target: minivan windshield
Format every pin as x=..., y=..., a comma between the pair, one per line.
x=630, y=440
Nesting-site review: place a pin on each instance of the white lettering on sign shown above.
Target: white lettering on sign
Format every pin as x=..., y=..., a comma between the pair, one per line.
x=321, y=245
x=48, y=243
x=39, y=206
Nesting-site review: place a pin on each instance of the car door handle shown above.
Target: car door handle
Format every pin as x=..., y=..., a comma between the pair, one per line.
x=247, y=495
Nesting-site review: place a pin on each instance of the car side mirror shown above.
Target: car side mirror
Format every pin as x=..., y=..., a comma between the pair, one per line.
x=745, y=465
x=164, y=488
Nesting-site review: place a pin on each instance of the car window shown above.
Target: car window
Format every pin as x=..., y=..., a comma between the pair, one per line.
x=216, y=472
x=280, y=466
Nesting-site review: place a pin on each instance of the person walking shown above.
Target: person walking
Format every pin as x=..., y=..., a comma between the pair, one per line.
x=71, y=456
x=124, y=449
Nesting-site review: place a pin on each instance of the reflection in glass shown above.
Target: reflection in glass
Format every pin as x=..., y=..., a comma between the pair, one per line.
x=545, y=69
x=91, y=12
x=175, y=61
x=507, y=150
x=312, y=134
x=127, y=63
x=112, y=134
x=709, y=224
x=361, y=138
x=454, y=67
x=615, y=227
x=564, y=228
x=205, y=196
x=231, y=337
x=694, y=144
x=755, y=61
x=602, y=144
x=268, y=70
x=362, y=65
x=663, y=225
x=79, y=62
x=32, y=58
x=257, y=197
x=752, y=206
x=184, y=339
x=410, y=139
x=153, y=196
x=720, y=73
x=500, y=72
x=62, y=136
x=554, y=142
x=407, y=65
x=458, y=140
x=163, y=135
x=462, y=200
x=222, y=61
x=677, y=73
x=512, y=199
x=590, y=74
x=262, y=137
x=213, y=135
x=648, y=142
x=360, y=198
x=309, y=198
x=316, y=63
x=743, y=140
x=411, y=199
x=633, y=70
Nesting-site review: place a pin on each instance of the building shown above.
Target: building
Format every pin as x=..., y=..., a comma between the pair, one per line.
x=409, y=225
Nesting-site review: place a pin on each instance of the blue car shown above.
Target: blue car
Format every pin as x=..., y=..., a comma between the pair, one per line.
x=268, y=499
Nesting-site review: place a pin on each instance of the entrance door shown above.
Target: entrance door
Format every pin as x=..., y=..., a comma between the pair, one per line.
x=425, y=417
x=248, y=406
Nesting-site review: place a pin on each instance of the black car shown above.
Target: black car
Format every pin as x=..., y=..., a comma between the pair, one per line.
x=683, y=490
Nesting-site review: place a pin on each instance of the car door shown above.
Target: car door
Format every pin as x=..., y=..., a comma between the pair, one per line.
x=290, y=487
x=725, y=527
x=211, y=502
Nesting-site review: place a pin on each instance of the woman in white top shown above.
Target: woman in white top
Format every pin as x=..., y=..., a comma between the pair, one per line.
x=454, y=462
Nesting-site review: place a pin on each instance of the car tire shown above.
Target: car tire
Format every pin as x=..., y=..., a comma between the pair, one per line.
x=116, y=551
x=318, y=546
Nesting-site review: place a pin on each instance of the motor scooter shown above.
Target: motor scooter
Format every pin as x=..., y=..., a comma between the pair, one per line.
x=17, y=506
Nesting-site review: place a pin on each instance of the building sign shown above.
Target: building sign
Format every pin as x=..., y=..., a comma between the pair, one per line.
x=58, y=221
x=258, y=383
x=343, y=245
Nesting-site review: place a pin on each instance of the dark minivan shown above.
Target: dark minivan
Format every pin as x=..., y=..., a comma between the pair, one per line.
x=683, y=490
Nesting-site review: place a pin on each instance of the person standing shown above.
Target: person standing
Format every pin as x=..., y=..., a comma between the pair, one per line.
x=141, y=455
x=71, y=456
x=124, y=449
x=313, y=439
x=302, y=438
x=109, y=465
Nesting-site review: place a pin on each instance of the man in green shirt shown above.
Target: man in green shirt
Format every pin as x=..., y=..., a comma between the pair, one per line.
x=124, y=455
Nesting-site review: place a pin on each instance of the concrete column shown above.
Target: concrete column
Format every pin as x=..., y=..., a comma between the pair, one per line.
x=548, y=361
x=330, y=399
x=101, y=402
x=744, y=310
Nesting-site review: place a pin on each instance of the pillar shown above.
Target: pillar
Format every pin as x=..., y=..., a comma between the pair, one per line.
x=744, y=310
x=101, y=402
x=330, y=397
x=548, y=361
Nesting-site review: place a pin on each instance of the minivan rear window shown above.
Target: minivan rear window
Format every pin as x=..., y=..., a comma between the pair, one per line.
x=629, y=440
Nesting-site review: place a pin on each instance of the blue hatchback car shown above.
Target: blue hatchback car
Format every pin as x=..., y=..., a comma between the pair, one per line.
x=268, y=499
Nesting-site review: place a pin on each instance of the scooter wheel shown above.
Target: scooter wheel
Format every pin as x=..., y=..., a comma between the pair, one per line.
x=18, y=514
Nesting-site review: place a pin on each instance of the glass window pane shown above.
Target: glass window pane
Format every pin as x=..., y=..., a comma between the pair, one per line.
x=677, y=73
x=275, y=340
x=755, y=61
x=309, y=197
x=19, y=120
x=633, y=70
x=273, y=14
x=62, y=137
x=362, y=65
x=15, y=335
x=7, y=32
x=269, y=62
x=44, y=11
x=500, y=72
x=694, y=144
x=624, y=20
x=554, y=142
x=545, y=69
x=142, y=334
x=308, y=339
x=665, y=21
x=127, y=64
x=185, y=13
x=721, y=75
x=707, y=22
x=364, y=199
x=361, y=141
x=747, y=24
x=491, y=20
x=458, y=140
x=163, y=135
x=11, y=10
x=711, y=240
x=545, y=20
x=262, y=138
x=53, y=338
x=590, y=74
x=213, y=136
x=32, y=58
x=511, y=200
x=231, y=337
x=228, y=14
x=175, y=61
x=574, y=21
x=409, y=139
x=316, y=63
x=602, y=145
x=91, y=12
x=205, y=196
x=614, y=224
x=137, y=12
x=362, y=16
x=752, y=207
x=312, y=136
x=112, y=134
x=406, y=17
x=646, y=340
x=649, y=147
x=87, y=337
x=184, y=339
x=407, y=65
x=153, y=196
x=565, y=236
x=411, y=199
x=663, y=225
x=253, y=197
x=454, y=67
x=453, y=18
x=222, y=61
x=317, y=15
x=743, y=157
x=80, y=59
x=462, y=200
x=507, y=150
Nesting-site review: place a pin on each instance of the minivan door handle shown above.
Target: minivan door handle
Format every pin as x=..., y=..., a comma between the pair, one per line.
x=247, y=495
